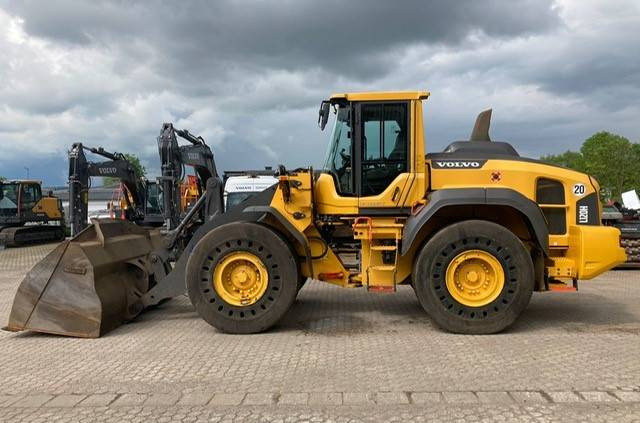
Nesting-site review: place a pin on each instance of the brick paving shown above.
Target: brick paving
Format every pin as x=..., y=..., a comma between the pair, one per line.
x=340, y=355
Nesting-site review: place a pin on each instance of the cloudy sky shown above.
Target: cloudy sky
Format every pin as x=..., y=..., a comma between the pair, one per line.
x=248, y=75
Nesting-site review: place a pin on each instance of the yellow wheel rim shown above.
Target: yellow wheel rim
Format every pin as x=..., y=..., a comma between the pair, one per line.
x=240, y=278
x=475, y=278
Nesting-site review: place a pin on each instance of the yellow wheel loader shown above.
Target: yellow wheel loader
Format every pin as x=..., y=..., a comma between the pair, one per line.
x=27, y=216
x=474, y=229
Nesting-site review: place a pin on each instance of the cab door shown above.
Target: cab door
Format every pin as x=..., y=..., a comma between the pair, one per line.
x=30, y=195
x=382, y=162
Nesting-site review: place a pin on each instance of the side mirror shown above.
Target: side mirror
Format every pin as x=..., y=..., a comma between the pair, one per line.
x=323, y=114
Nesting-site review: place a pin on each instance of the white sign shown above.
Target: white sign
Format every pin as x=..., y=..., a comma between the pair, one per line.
x=630, y=200
x=579, y=190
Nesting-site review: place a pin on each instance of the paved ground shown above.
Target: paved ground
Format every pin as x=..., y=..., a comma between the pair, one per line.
x=341, y=355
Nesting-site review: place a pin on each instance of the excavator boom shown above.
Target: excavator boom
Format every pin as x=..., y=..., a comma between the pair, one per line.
x=80, y=172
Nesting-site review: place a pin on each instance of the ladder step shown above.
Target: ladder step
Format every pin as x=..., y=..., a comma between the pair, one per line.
x=387, y=268
x=379, y=225
x=561, y=287
x=383, y=247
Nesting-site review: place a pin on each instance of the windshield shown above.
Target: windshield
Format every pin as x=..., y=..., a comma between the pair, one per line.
x=9, y=199
x=154, y=198
x=235, y=198
x=338, y=158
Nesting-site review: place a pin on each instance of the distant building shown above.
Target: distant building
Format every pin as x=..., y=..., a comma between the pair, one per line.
x=99, y=197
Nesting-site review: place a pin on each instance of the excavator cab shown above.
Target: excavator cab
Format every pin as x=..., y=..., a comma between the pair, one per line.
x=21, y=202
x=19, y=196
x=153, y=202
x=31, y=193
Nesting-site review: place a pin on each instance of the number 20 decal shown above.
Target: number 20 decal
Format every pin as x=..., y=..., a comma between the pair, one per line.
x=579, y=189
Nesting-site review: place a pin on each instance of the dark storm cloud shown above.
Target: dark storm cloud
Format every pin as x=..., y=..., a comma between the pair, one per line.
x=602, y=66
x=247, y=75
x=355, y=38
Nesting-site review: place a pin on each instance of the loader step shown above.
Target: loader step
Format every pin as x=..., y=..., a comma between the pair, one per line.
x=383, y=247
x=384, y=268
x=560, y=287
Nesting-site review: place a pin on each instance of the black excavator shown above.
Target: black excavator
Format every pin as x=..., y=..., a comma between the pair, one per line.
x=173, y=159
x=141, y=197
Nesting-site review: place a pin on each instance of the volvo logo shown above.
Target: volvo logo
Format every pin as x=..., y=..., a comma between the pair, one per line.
x=458, y=164
x=107, y=170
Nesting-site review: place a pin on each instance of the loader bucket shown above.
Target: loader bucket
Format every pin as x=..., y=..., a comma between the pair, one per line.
x=88, y=285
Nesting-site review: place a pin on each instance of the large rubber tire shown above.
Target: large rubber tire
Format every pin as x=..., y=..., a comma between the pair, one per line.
x=274, y=252
x=429, y=277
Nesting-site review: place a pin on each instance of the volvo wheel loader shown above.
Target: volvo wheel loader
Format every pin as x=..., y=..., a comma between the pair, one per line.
x=27, y=216
x=474, y=230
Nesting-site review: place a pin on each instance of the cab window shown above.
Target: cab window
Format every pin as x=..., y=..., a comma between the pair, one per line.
x=30, y=196
x=338, y=158
x=8, y=199
x=384, y=145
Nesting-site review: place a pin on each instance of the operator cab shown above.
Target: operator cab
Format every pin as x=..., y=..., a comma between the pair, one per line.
x=22, y=194
x=369, y=144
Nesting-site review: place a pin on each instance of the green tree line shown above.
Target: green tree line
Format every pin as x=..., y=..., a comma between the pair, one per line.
x=612, y=159
x=138, y=168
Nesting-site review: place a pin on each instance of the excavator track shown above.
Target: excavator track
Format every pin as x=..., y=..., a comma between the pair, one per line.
x=27, y=235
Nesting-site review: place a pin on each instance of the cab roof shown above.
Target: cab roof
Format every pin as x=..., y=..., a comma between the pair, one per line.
x=21, y=181
x=381, y=96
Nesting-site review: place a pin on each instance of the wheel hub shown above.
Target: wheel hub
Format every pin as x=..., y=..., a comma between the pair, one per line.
x=240, y=278
x=475, y=278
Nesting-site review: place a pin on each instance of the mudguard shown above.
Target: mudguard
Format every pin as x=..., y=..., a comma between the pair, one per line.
x=478, y=196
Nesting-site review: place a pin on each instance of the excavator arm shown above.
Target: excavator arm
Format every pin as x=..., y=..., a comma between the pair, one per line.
x=80, y=172
x=173, y=158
